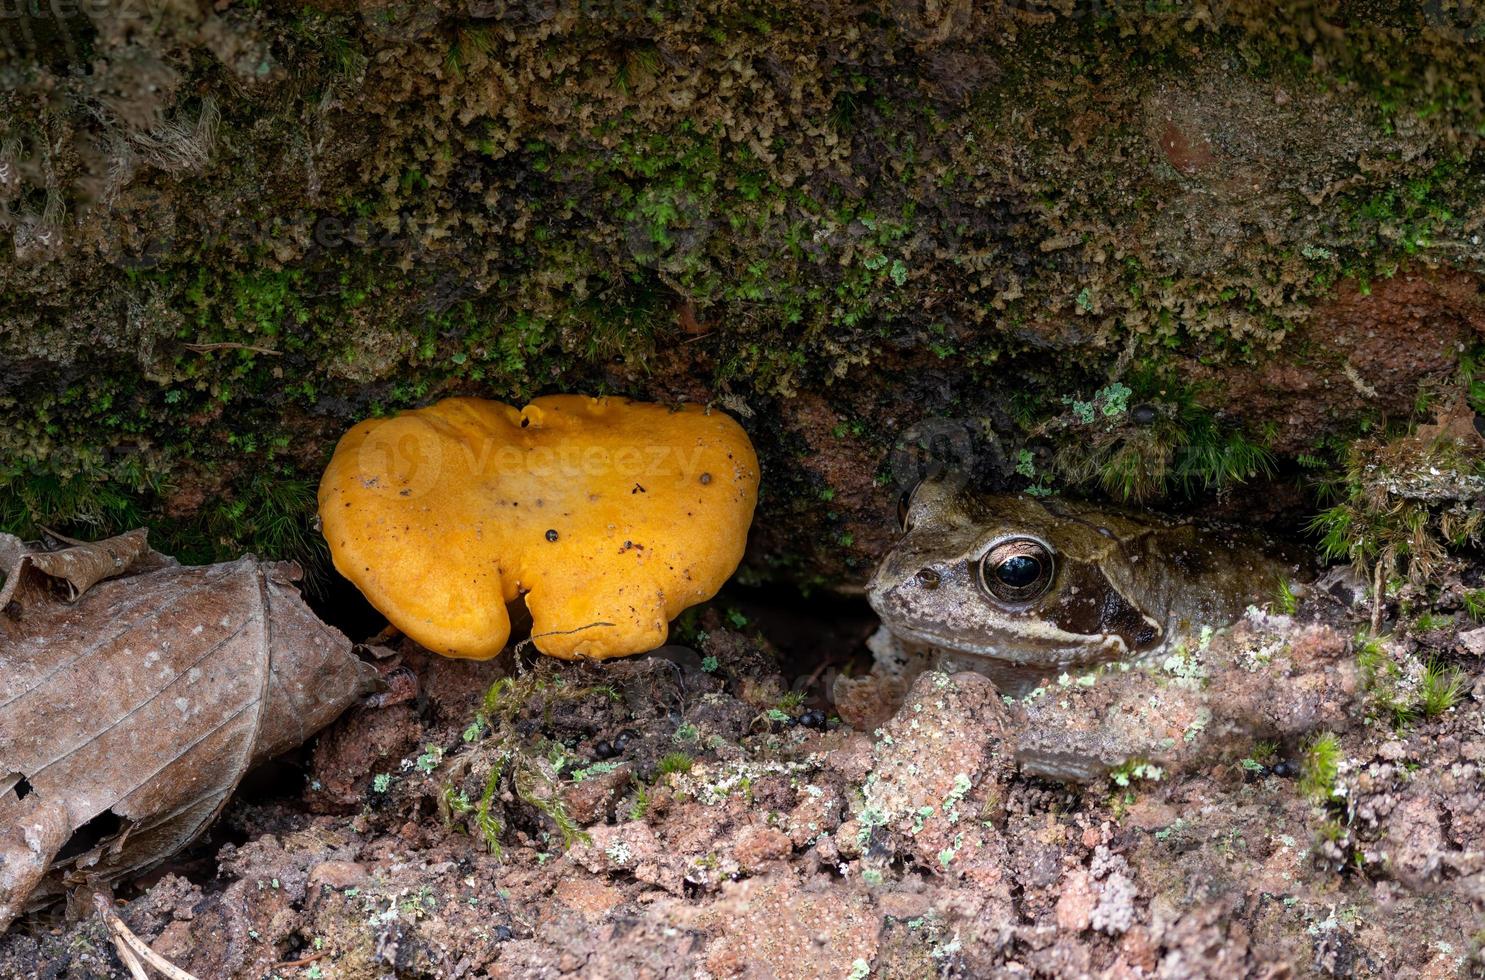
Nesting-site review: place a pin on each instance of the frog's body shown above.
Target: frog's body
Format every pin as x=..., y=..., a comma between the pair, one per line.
x=1023, y=589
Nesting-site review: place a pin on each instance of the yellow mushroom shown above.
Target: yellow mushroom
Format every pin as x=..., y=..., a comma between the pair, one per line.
x=609, y=516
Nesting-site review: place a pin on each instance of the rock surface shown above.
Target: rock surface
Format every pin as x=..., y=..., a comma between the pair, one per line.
x=920, y=848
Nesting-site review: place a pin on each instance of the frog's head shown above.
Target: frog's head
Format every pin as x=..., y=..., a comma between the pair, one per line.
x=1010, y=578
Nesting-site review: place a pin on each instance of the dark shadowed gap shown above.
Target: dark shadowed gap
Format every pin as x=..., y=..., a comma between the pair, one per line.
x=105, y=825
x=342, y=605
x=818, y=636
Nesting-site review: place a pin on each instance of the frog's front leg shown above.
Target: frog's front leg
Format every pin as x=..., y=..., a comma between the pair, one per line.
x=1265, y=679
x=868, y=701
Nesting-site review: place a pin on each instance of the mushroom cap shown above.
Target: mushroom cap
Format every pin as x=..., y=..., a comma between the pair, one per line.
x=610, y=516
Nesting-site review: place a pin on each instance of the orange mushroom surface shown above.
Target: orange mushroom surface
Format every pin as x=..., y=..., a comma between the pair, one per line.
x=610, y=516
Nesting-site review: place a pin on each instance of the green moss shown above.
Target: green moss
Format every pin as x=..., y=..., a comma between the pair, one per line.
x=1286, y=600
x=1404, y=505
x=1170, y=443
x=1371, y=658
x=1431, y=621
x=499, y=759
x=675, y=762
x=791, y=700
x=77, y=505
x=640, y=807
x=1441, y=689
x=1400, y=691
x=1320, y=767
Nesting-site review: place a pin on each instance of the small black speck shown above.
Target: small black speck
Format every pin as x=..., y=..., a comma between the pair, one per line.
x=405, y=493
x=525, y=422
x=551, y=535
x=706, y=478
x=638, y=489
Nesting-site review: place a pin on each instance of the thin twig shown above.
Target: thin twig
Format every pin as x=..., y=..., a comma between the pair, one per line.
x=231, y=345
x=130, y=946
x=815, y=676
x=136, y=968
x=302, y=961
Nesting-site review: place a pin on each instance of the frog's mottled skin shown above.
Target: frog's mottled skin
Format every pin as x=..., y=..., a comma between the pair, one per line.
x=1125, y=587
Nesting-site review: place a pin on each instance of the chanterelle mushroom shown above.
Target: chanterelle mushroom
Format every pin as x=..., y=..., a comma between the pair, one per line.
x=610, y=517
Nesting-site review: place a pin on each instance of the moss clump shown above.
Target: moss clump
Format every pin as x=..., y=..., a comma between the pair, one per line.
x=1320, y=768
x=1140, y=441
x=675, y=762
x=1407, y=503
x=1402, y=689
x=1402, y=515
x=504, y=760
x=1441, y=689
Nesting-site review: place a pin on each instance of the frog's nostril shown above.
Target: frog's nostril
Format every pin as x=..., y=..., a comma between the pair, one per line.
x=927, y=578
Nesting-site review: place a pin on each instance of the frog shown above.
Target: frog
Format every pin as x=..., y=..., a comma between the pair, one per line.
x=1026, y=589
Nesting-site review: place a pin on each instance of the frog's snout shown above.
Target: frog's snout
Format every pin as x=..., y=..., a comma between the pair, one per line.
x=894, y=587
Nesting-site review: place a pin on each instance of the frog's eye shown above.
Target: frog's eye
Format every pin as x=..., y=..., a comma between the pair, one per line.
x=905, y=504
x=1017, y=570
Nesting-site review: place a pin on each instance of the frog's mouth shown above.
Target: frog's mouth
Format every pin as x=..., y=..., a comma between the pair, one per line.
x=1039, y=646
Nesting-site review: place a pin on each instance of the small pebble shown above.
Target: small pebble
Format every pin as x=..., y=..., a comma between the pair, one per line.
x=622, y=740
x=604, y=749
x=1286, y=769
x=813, y=718
x=1144, y=414
x=501, y=934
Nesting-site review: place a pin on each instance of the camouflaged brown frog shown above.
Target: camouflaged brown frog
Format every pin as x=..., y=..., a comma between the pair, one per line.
x=1024, y=589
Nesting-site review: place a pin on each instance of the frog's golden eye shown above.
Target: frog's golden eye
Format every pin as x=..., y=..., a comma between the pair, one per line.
x=905, y=504
x=1017, y=570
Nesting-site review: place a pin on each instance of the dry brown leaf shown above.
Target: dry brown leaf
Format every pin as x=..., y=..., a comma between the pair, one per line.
x=30, y=576
x=134, y=711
